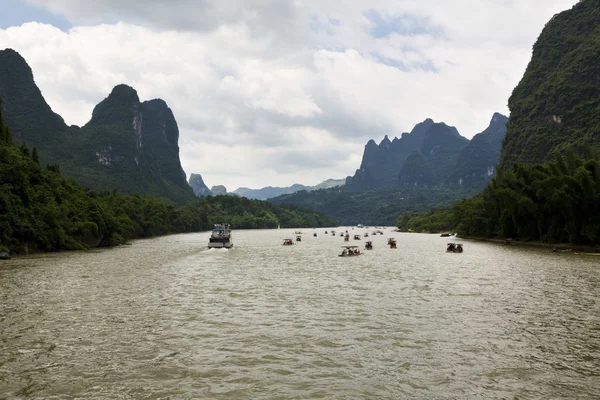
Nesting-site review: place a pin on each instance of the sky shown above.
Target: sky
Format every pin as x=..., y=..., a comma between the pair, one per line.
x=277, y=92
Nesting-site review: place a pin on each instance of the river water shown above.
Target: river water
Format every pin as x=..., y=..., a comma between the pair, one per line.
x=168, y=318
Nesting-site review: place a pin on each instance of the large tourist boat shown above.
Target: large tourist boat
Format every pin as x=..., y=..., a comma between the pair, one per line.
x=220, y=237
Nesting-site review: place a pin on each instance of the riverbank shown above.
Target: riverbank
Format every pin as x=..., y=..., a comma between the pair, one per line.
x=563, y=247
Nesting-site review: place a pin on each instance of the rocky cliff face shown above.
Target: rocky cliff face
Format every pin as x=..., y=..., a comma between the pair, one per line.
x=198, y=185
x=127, y=145
x=557, y=102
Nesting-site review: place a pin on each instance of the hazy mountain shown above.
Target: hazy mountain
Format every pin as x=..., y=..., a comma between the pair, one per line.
x=557, y=102
x=270, y=191
x=127, y=145
x=198, y=185
x=218, y=190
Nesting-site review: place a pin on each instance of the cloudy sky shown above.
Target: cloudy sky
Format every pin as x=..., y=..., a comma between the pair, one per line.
x=276, y=92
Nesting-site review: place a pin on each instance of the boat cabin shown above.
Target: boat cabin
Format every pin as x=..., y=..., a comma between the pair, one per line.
x=287, y=242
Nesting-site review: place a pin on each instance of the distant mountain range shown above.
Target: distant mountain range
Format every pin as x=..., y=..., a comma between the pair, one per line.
x=128, y=145
x=270, y=191
x=201, y=190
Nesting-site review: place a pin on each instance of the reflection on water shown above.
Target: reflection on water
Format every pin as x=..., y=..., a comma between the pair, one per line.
x=169, y=318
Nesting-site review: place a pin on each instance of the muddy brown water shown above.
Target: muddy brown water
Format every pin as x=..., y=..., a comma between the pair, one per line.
x=168, y=318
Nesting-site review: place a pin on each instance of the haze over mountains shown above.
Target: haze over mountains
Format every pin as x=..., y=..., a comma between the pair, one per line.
x=270, y=191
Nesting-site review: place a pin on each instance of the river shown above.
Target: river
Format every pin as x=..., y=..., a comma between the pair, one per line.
x=168, y=318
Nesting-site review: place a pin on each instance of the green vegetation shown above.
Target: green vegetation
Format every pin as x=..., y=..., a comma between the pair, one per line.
x=376, y=207
x=553, y=202
x=434, y=221
x=557, y=102
x=42, y=211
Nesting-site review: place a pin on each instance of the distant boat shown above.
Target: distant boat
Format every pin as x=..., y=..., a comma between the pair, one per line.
x=350, y=251
x=220, y=237
x=288, y=242
x=454, y=248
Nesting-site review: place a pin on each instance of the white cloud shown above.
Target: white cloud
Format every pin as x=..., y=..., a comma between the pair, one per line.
x=275, y=92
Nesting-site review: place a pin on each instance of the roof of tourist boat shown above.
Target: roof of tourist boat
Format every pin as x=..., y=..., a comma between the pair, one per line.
x=221, y=227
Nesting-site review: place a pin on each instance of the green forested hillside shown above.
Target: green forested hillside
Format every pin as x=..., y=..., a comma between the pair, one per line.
x=42, y=211
x=557, y=102
x=128, y=145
